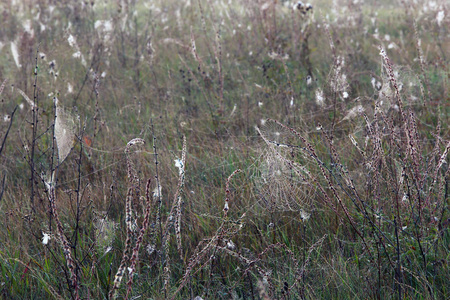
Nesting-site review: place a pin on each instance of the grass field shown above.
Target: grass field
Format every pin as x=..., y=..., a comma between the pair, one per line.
x=212, y=149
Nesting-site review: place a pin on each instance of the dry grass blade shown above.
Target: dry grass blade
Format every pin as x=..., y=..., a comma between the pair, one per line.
x=29, y=101
x=2, y=87
x=15, y=53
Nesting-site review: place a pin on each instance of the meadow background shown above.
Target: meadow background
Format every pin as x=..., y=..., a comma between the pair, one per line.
x=224, y=149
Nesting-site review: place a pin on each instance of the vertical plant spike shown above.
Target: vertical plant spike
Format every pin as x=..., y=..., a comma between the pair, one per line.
x=126, y=252
x=290, y=94
x=414, y=148
x=441, y=162
x=35, y=120
x=421, y=60
x=135, y=254
x=203, y=22
x=158, y=195
x=388, y=66
x=330, y=40
x=2, y=87
x=226, y=207
x=167, y=271
x=174, y=218
x=133, y=185
x=62, y=237
x=131, y=168
x=195, y=54
x=218, y=56
x=182, y=171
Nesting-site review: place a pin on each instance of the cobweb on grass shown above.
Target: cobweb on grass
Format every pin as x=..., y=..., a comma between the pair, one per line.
x=282, y=180
x=64, y=131
x=409, y=85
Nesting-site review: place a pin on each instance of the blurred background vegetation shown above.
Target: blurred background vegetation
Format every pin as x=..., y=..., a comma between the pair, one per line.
x=215, y=71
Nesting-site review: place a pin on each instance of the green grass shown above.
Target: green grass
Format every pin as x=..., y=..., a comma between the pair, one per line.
x=143, y=80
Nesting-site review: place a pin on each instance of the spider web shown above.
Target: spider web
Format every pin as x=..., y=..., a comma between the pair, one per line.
x=282, y=180
x=64, y=132
x=409, y=85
